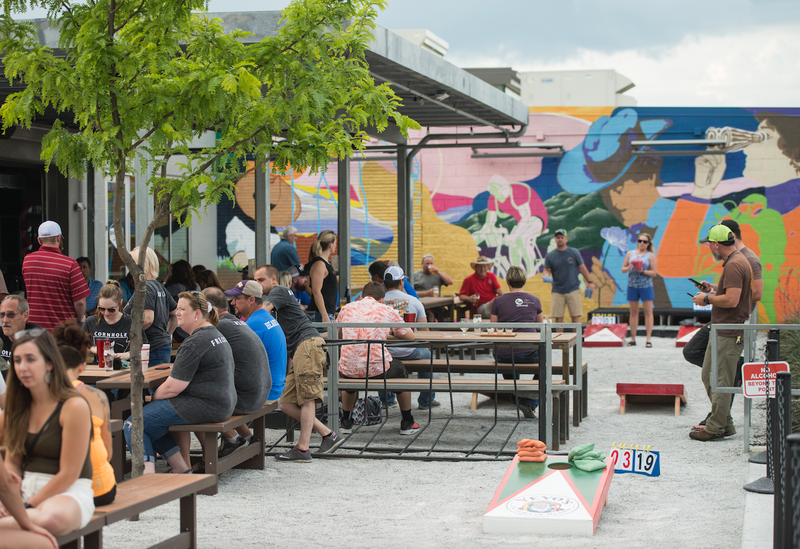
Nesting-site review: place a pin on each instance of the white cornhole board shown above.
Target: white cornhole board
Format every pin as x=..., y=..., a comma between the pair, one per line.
x=605, y=335
x=534, y=498
x=685, y=335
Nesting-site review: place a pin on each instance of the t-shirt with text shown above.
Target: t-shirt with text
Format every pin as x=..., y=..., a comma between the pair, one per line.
x=251, y=373
x=119, y=332
x=564, y=266
x=274, y=341
x=517, y=307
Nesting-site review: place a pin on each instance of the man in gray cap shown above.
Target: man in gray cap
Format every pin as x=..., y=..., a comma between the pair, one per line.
x=54, y=284
x=563, y=264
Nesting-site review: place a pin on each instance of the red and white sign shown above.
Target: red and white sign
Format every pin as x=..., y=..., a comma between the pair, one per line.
x=609, y=335
x=685, y=335
x=753, y=374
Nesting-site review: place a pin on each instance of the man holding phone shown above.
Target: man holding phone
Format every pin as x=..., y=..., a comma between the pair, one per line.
x=731, y=303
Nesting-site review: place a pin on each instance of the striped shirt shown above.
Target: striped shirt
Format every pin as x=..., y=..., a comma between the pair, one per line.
x=53, y=282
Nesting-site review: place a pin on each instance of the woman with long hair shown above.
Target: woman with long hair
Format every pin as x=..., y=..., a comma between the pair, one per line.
x=181, y=279
x=159, y=311
x=322, y=278
x=110, y=322
x=48, y=428
x=199, y=389
x=641, y=266
x=208, y=279
x=73, y=343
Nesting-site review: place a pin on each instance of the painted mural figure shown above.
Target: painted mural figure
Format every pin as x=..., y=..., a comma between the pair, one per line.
x=516, y=200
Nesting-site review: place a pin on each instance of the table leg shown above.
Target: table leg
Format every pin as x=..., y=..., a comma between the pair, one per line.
x=622, y=405
x=677, y=405
x=189, y=518
x=565, y=376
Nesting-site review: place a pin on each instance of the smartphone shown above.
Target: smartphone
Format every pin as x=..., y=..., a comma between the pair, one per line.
x=693, y=281
x=690, y=295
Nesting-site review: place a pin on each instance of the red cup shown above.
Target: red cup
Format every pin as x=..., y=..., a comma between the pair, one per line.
x=101, y=347
x=410, y=317
x=638, y=264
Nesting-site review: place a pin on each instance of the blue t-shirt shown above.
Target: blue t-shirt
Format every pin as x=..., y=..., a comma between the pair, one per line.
x=284, y=255
x=409, y=289
x=271, y=334
x=565, y=268
x=91, y=299
x=302, y=298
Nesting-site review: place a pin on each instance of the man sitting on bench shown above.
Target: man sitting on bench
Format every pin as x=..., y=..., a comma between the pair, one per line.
x=353, y=358
x=251, y=374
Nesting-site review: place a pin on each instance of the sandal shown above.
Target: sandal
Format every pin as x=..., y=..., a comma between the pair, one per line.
x=199, y=468
x=648, y=345
x=631, y=344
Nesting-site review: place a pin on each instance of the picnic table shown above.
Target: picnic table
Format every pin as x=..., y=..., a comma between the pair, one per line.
x=91, y=375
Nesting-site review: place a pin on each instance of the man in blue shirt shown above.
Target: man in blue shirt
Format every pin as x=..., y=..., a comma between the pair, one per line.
x=284, y=254
x=94, y=285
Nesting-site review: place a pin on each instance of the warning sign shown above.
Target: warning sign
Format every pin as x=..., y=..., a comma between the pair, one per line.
x=753, y=378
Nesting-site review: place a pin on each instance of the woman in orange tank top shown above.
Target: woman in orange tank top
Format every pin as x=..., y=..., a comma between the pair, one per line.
x=74, y=343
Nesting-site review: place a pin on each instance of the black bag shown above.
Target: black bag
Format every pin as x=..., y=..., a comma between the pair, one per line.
x=695, y=350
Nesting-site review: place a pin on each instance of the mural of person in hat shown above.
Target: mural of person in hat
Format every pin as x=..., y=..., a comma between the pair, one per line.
x=481, y=287
x=563, y=264
x=730, y=304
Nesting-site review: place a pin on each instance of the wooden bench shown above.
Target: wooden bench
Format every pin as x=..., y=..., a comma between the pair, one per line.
x=251, y=456
x=142, y=494
x=461, y=385
x=580, y=405
x=651, y=393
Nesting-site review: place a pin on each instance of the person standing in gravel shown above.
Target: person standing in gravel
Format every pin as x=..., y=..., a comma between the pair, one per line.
x=563, y=264
x=306, y=365
x=731, y=303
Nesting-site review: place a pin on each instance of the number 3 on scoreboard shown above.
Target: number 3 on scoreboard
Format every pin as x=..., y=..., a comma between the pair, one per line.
x=626, y=459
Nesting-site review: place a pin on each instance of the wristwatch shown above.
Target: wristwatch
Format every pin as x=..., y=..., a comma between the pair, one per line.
x=706, y=299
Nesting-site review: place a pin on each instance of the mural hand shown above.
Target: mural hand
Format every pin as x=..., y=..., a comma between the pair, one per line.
x=604, y=284
x=709, y=169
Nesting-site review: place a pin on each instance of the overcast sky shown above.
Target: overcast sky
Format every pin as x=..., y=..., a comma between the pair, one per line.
x=678, y=53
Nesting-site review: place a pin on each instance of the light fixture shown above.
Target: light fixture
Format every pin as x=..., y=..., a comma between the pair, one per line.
x=441, y=95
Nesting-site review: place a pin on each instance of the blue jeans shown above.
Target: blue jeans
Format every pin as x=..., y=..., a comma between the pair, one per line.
x=159, y=415
x=522, y=357
x=424, y=399
x=162, y=355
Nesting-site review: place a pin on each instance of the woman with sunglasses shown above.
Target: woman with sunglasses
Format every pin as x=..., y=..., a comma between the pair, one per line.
x=640, y=264
x=110, y=322
x=48, y=429
x=199, y=389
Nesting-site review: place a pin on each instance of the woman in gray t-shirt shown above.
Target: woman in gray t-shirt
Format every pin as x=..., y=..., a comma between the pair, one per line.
x=199, y=389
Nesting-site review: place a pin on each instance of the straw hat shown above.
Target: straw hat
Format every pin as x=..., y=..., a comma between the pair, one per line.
x=482, y=260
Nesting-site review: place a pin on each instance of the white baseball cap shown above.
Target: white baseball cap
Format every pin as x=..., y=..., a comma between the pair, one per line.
x=393, y=273
x=49, y=229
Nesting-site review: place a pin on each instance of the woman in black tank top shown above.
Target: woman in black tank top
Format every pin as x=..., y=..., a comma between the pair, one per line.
x=48, y=429
x=322, y=279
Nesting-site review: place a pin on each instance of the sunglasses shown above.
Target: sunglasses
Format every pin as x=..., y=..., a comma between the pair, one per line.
x=9, y=316
x=643, y=241
x=33, y=332
x=110, y=310
x=196, y=295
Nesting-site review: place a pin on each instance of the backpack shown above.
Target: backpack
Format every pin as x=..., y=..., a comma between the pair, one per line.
x=367, y=411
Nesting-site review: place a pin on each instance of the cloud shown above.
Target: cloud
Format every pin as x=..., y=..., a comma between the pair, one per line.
x=746, y=69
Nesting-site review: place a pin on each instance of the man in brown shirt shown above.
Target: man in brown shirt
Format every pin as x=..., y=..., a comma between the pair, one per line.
x=731, y=304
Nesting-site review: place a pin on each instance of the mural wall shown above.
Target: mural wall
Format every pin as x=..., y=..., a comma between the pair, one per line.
x=602, y=194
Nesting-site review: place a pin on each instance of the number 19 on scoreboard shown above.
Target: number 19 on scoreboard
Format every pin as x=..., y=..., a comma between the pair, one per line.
x=635, y=460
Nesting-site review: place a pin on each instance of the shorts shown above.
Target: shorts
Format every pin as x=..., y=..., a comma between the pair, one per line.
x=645, y=294
x=396, y=370
x=81, y=491
x=304, y=375
x=571, y=300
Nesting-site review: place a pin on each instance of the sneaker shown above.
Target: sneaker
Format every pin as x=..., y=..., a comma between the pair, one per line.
x=408, y=427
x=227, y=448
x=526, y=410
x=388, y=405
x=702, y=425
x=346, y=426
x=434, y=404
x=329, y=444
x=704, y=436
x=295, y=455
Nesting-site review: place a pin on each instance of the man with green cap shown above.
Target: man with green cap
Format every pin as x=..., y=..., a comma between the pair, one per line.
x=730, y=304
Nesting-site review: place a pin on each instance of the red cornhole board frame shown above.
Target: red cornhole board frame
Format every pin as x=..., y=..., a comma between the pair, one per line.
x=685, y=334
x=652, y=393
x=605, y=335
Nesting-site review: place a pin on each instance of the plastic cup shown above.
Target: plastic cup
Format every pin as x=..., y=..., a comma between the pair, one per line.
x=145, y=357
x=410, y=317
x=436, y=292
x=101, y=351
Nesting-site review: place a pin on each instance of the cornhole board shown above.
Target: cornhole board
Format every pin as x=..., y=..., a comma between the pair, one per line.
x=605, y=335
x=535, y=498
x=651, y=393
x=685, y=334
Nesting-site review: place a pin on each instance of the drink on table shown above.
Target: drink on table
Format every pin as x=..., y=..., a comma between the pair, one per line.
x=464, y=326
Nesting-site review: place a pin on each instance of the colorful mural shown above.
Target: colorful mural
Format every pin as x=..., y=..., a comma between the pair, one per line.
x=599, y=190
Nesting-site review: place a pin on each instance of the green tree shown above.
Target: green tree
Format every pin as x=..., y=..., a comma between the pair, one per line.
x=143, y=78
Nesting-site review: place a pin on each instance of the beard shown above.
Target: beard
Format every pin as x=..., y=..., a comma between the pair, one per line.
x=717, y=255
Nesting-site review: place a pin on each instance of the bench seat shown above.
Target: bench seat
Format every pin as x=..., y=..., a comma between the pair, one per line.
x=251, y=456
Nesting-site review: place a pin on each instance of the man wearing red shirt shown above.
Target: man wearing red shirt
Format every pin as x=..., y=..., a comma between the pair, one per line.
x=480, y=288
x=54, y=285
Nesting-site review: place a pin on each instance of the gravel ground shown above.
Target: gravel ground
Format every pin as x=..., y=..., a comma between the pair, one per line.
x=393, y=503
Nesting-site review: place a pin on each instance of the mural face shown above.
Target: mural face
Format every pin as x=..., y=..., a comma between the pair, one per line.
x=604, y=191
